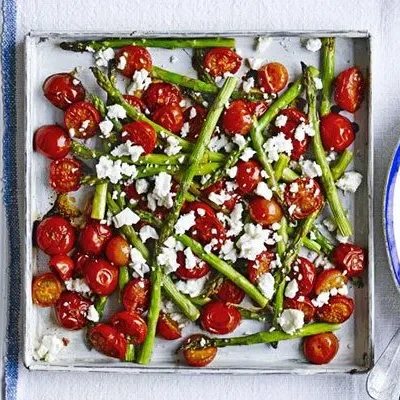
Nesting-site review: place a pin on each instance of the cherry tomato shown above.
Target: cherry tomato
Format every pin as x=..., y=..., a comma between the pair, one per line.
x=237, y=118
x=52, y=141
x=130, y=324
x=136, y=59
x=199, y=357
x=169, y=117
x=46, y=289
x=140, y=133
x=272, y=77
x=349, y=89
x=222, y=187
x=195, y=117
x=136, y=295
x=228, y=292
x=117, y=251
x=201, y=269
x=71, y=310
x=82, y=120
x=62, y=265
x=167, y=328
x=329, y=279
x=221, y=60
x=304, y=272
x=337, y=311
x=321, y=348
x=257, y=108
x=131, y=192
x=161, y=94
x=303, y=304
x=336, y=132
x=94, y=237
x=63, y=89
x=108, y=340
x=65, y=175
x=81, y=260
x=264, y=212
x=101, y=276
x=248, y=175
x=217, y=317
x=349, y=257
x=306, y=200
x=55, y=235
x=135, y=102
x=261, y=265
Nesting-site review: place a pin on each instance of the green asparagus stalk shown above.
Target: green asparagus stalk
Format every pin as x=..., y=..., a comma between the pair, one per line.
x=288, y=175
x=99, y=201
x=99, y=104
x=325, y=244
x=203, y=169
x=100, y=304
x=130, y=353
x=123, y=278
x=327, y=74
x=280, y=165
x=255, y=315
x=282, y=231
x=341, y=165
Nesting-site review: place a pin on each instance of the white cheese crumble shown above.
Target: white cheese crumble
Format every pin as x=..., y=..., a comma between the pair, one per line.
x=276, y=145
x=190, y=259
x=318, y=83
x=323, y=262
x=313, y=44
x=192, y=287
x=255, y=63
x=106, y=127
x=218, y=142
x=92, y=314
x=185, y=222
x=234, y=220
x=321, y=299
x=294, y=187
x=302, y=130
x=263, y=42
x=147, y=232
x=192, y=113
x=265, y=283
x=186, y=127
x=248, y=84
x=251, y=243
x=331, y=156
x=310, y=168
x=291, y=289
x=114, y=170
x=78, y=285
x=232, y=172
x=247, y=154
x=280, y=121
x=161, y=194
x=167, y=257
x=104, y=56
x=291, y=320
x=128, y=149
x=141, y=186
x=263, y=190
x=350, y=181
x=116, y=111
x=173, y=146
x=140, y=81
x=239, y=140
x=49, y=348
x=168, y=307
x=138, y=263
x=228, y=251
x=342, y=239
x=125, y=217
x=121, y=62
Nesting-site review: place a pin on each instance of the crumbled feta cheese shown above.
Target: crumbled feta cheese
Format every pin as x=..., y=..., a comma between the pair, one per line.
x=140, y=81
x=106, y=127
x=190, y=259
x=235, y=220
x=228, y=251
x=219, y=198
x=218, y=142
x=125, y=217
x=251, y=243
x=313, y=44
x=318, y=83
x=276, y=145
x=147, y=232
x=161, y=194
x=321, y=299
x=168, y=307
x=192, y=287
x=116, y=111
x=168, y=256
x=128, y=149
x=310, y=168
x=291, y=289
x=255, y=63
x=121, y=62
x=263, y=190
x=76, y=82
x=185, y=222
x=292, y=209
x=330, y=224
x=263, y=42
x=138, y=263
x=350, y=181
x=92, y=314
x=247, y=154
x=231, y=172
x=343, y=291
x=142, y=186
x=239, y=140
x=49, y=348
x=302, y=130
x=78, y=285
x=323, y=262
x=186, y=127
x=173, y=146
x=248, y=84
x=265, y=283
x=209, y=247
x=192, y=113
x=294, y=187
x=342, y=239
x=280, y=121
x=275, y=226
x=291, y=320
x=331, y=156
x=104, y=56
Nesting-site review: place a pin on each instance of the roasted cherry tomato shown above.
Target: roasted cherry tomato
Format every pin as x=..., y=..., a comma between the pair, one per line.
x=71, y=310
x=201, y=269
x=161, y=94
x=108, y=340
x=224, y=188
x=140, y=133
x=55, y=235
x=195, y=117
x=248, y=175
x=82, y=120
x=167, y=328
x=62, y=265
x=131, y=325
x=306, y=200
x=169, y=117
x=81, y=260
x=261, y=265
x=336, y=132
x=221, y=60
x=63, y=89
x=228, y=292
x=65, y=175
x=349, y=89
x=350, y=258
x=101, y=276
x=46, y=289
x=303, y=304
x=264, y=212
x=257, y=108
x=272, y=77
x=135, y=102
x=321, y=348
x=337, y=311
x=136, y=295
x=304, y=272
x=117, y=251
x=52, y=141
x=94, y=237
x=237, y=118
x=199, y=357
x=135, y=58
x=329, y=279
x=219, y=318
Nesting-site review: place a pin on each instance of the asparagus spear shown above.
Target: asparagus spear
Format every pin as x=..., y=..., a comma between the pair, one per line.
x=280, y=165
x=99, y=201
x=100, y=304
x=328, y=73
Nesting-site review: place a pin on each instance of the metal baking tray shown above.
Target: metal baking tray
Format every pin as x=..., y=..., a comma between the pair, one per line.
x=43, y=57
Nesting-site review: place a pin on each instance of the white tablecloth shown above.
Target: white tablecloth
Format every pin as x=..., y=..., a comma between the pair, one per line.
x=382, y=19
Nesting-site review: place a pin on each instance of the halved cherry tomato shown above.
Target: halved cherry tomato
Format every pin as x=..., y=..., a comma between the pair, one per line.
x=337, y=311
x=169, y=117
x=349, y=89
x=272, y=77
x=161, y=94
x=52, y=141
x=55, y=235
x=222, y=187
x=46, y=289
x=130, y=324
x=201, y=269
x=199, y=357
x=117, y=251
x=94, y=237
x=82, y=120
x=349, y=257
x=329, y=279
x=304, y=272
x=261, y=265
x=248, y=175
x=135, y=102
x=62, y=265
x=108, y=340
x=336, y=132
x=199, y=208
x=257, y=108
x=136, y=59
x=265, y=212
x=136, y=295
x=220, y=318
x=71, y=310
x=303, y=304
x=167, y=328
x=321, y=348
x=237, y=118
x=195, y=119
x=140, y=133
x=306, y=200
x=65, y=175
x=81, y=260
x=228, y=292
x=63, y=89
x=101, y=276
x=221, y=60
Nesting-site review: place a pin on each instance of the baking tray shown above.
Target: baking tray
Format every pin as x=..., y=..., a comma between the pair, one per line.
x=43, y=57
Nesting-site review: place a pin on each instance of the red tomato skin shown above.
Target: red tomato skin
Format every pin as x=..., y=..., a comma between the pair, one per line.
x=135, y=102
x=52, y=142
x=336, y=132
x=131, y=192
x=81, y=260
x=261, y=265
x=349, y=257
x=195, y=123
x=219, y=318
x=137, y=58
x=237, y=118
x=321, y=348
x=272, y=77
x=264, y=212
x=60, y=90
x=101, y=277
x=94, y=237
x=136, y=295
x=201, y=269
x=108, y=340
x=117, y=251
x=161, y=94
x=349, y=89
x=199, y=357
x=41, y=284
x=130, y=324
x=62, y=265
x=228, y=292
x=71, y=310
x=307, y=271
x=257, y=108
x=77, y=114
x=337, y=311
x=220, y=60
x=167, y=328
x=169, y=117
x=65, y=175
x=55, y=235
x=205, y=228
x=329, y=279
x=303, y=305
x=248, y=175
x=221, y=186
x=140, y=133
